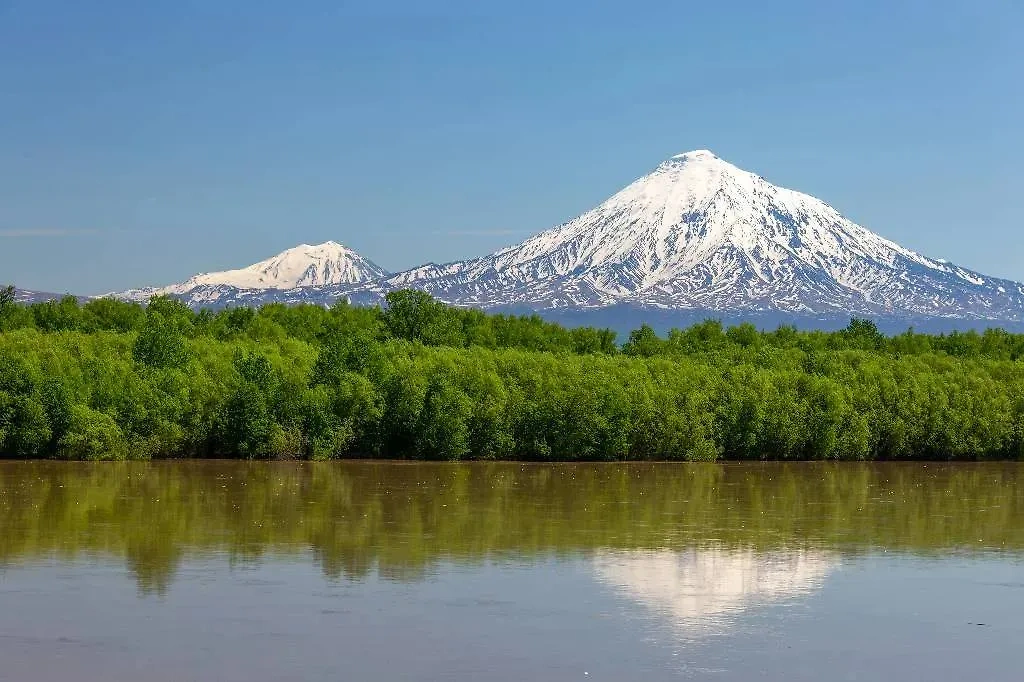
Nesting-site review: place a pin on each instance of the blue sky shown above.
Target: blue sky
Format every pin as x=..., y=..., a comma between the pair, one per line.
x=141, y=142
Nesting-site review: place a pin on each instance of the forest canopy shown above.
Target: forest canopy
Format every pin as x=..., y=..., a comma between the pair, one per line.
x=416, y=378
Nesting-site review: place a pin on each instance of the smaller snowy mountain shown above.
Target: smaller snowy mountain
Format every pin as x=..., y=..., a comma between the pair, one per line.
x=320, y=265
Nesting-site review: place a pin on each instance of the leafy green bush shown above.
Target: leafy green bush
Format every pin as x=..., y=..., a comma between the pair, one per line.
x=419, y=379
x=91, y=435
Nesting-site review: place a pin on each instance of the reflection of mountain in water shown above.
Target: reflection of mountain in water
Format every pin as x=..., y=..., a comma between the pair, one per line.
x=700, y=585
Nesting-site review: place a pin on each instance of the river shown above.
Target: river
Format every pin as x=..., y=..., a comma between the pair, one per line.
x=171, y=571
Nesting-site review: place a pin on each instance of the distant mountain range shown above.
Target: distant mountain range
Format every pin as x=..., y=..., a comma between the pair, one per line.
x=26, y=296
x=695, y=237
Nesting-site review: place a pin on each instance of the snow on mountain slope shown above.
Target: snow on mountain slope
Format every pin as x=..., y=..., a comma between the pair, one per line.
x=695, y=234
x=324, y=264
x=700, y=233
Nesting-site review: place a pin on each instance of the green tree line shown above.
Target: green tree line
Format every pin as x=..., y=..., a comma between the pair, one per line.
x=422, y=380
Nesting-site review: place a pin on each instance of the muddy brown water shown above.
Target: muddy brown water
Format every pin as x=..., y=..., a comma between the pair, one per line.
x=172, y=571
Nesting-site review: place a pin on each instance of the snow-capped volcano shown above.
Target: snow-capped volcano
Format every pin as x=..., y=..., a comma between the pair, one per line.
x=319, y=265
x=700, y=233
x=695, y=234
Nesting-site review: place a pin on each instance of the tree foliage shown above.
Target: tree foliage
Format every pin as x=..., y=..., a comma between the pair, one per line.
x=420, y=379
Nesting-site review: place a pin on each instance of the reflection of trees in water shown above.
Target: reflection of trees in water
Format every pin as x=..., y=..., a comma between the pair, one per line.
x=153, y=564
x=399, y=520
x=702, y=586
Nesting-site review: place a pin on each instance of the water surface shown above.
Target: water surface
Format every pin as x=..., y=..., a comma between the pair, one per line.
x=385, y=571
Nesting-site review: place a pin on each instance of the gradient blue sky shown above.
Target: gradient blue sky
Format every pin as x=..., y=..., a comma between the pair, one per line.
x=141, y=142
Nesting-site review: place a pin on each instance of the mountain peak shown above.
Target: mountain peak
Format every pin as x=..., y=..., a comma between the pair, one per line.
x=699, y=233
x=304, y=265
x=699, y=170
x=330, y=246
x=696, y=155
x=300, y=266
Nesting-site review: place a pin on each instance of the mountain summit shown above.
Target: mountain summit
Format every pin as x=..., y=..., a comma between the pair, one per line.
x=695, y=234
x=318, y=265
x=300, y=266
x=699, y=233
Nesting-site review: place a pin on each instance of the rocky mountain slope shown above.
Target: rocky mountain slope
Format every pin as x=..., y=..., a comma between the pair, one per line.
x=695, y=234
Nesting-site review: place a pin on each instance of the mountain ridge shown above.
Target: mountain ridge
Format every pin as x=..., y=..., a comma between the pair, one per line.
x=695, y=233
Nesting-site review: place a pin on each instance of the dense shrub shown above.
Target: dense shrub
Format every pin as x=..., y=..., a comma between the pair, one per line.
x=419, y=379
x=91, y=435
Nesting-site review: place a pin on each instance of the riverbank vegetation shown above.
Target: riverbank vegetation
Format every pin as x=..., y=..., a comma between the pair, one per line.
x=419, y=379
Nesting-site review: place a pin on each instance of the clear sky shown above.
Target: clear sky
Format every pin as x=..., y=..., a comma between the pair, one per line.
x=142, y=142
